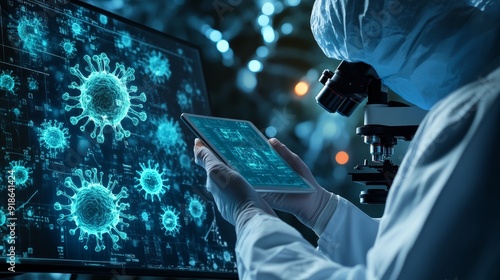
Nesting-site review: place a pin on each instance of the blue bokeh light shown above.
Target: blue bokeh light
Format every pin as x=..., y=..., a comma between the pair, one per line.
x=222, y=46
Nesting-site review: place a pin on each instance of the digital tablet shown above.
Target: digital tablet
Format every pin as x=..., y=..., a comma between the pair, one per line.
x=241, y=146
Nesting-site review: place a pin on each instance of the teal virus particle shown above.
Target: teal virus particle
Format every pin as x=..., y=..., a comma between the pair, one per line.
x=196, y=209
x=157, y=66
x=76, y=28
x=226, y=256
x=125, y=40
x=144, y=216
x=151, y=181
x=16, y=112
x=54, y=136
x=28, y=32
x=32, y=83
x=103, y=19
x=105, y=98
x=8, y=82
x=95, y=209
x=68, y=48
x=21, y=174
x=170, y=221
x=168, y=135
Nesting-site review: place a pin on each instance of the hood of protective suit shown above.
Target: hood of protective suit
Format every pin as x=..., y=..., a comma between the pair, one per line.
x=422, y=50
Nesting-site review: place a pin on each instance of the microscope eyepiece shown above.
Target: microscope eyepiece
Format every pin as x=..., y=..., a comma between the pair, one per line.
x=345, y=88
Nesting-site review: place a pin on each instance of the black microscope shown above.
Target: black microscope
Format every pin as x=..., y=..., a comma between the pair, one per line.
x=385, y=122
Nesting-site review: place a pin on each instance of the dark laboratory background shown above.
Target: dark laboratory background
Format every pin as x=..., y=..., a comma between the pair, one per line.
x=262, y=64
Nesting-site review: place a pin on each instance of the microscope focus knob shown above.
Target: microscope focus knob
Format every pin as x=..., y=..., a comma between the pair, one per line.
x=327, y=74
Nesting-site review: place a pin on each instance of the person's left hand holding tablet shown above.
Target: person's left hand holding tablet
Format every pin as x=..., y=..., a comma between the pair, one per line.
x=235, y=198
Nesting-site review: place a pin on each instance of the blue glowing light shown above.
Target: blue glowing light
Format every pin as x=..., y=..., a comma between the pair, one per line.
x=215, y=35
x=246, y=80
x=268, y=34
x=268, y=8
x=254, y=66
x=263, y=20
x=292, y=3
x=105, y=98
x=95, y=209
x=262, y=51
x=151, y=181
x=222, y=46
x=271, y=131
x=286, y=28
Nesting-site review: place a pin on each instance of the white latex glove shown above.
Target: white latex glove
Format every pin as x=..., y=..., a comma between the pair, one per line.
x=312, y=209
x=236, y=200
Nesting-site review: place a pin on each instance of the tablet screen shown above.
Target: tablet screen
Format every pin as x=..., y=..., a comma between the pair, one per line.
x=241, y=146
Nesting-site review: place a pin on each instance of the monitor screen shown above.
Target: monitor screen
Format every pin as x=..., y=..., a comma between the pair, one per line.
x=97, y=171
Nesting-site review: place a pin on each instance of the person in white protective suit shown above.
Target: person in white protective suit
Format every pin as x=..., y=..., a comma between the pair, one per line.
x=442, y=216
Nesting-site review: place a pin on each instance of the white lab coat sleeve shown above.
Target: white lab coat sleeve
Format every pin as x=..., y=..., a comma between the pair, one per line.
x=268, y=248
x=349, y=235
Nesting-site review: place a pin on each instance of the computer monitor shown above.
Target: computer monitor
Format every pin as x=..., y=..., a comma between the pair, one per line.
x=97, y=171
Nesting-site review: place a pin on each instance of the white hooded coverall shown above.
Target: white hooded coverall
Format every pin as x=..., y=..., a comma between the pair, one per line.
x=442, y=217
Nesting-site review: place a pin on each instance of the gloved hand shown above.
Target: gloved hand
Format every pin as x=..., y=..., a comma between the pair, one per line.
x=236, y=200
x=312, y=209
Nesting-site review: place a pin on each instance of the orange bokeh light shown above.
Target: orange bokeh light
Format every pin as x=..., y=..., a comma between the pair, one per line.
x=342, y=157
x=301, y=88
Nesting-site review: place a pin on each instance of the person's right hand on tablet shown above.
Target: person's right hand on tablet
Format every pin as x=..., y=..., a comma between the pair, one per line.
x=312, y=209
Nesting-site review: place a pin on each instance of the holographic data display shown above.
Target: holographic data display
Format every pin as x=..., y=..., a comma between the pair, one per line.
x=89, y=114
x=245, y=149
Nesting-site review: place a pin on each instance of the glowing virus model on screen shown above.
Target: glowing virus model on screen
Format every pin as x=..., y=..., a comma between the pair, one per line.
x=76, y=27
x=8, y=82
x=226, y=256
x=68, y=48
x=125, y=41
x=144, y=216
x=170, y=221
x=16, y=112
x=105, y=98
x=151, y=181
x=27, y=32
x=196, y=209
x=54, y=136
x=168, y=135
x=32, y=83
x=21, y=174
x=185, y=95
x=95, y=209
x=157, y=66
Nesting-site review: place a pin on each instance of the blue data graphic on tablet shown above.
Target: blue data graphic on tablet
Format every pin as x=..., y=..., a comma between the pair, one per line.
x=240, y=145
